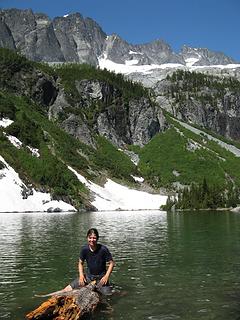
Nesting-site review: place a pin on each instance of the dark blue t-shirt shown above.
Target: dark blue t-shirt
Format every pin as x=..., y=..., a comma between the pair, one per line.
x=96, y=260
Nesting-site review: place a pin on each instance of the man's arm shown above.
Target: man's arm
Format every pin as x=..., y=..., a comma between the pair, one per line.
x=82, y=279
x=105, y=278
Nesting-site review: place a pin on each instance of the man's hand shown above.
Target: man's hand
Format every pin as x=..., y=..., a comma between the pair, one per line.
x=104, y=280
x=82, y=280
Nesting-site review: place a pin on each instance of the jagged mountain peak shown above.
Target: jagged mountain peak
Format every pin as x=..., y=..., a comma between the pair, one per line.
x=26, y=16
x=116, y=49
x=73, y=38
x=203, y=56
x=16, y=11
x=114, y=39
x=80, y=21
x=157, y=43
x=159, y=52
x=156, y=52
x=69, y=17
x=77, y=17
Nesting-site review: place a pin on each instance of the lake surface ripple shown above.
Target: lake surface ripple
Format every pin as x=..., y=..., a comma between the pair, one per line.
x=168, y=266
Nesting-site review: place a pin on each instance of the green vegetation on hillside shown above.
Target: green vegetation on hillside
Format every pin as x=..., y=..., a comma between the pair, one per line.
x=181, y=156
x=176, y=158
x=109, y=157
x=69, y=73
x=204, y=196
x=12, y=62
x=167, y=154
x=7, y=107
x=195, y=81
x=48, y=172
x=57, y=151
x=26, y=130
x=207, y=89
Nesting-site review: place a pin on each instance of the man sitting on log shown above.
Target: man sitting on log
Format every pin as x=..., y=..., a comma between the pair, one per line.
x=97, y=257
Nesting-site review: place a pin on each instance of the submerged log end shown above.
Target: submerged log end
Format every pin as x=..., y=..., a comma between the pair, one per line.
x=69, y=305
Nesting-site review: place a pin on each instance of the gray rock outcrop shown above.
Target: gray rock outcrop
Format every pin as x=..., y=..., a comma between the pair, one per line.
x=73, y=38
x=6, y=39
x=215, y=109
x=102, y=109
x=81, y=40
x=205, y=57
x=33, y=35
x=159, y=52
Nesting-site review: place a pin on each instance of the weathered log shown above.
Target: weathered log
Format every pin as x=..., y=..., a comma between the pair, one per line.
x=71, y=305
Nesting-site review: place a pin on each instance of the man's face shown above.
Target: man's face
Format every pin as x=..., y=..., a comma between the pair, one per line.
x=92, y=240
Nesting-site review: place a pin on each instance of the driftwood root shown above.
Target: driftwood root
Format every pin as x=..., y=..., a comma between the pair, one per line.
x=72, y=305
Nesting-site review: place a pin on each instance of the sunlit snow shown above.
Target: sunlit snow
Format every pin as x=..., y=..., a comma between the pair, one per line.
x=134, y=52
x=114, y=196
x=11, y=195
x=34, y=151
x=15, y=141
x=131, y=67
x=216, y=66
x=190, y=61
x=138, y=179
x=131, y=62
x=4, y=122
x=18, y=144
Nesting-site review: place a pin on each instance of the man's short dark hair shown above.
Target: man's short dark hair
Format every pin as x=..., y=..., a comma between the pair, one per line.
x=93, y=231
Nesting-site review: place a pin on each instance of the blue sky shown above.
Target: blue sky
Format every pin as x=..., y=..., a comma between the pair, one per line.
x=212, y=24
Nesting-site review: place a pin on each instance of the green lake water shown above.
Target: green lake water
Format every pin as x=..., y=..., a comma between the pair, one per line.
x=168, y=266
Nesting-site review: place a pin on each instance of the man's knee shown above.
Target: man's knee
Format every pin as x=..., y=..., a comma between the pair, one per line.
x=104, y=290
x=75, y=284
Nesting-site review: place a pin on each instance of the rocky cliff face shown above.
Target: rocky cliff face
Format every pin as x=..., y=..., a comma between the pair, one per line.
x=159, y=52
x=156, y=52
x=100, y=107
x=6, y=39
x=73, y=38
x=214, y=106
x=76, y=39
x=122, y=122
x=204, y=57
x=32, y=83
x=33, y=35
x=70, y=38
x=81, y=40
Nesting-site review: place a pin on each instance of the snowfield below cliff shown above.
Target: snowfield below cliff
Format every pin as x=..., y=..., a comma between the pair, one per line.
x=113, y=196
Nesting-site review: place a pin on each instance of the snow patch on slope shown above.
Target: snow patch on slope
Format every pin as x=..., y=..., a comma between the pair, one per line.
x=12, y=197
x=131, y=66
x=4, y=122
x=114, y=196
